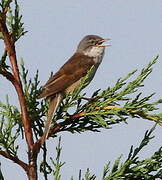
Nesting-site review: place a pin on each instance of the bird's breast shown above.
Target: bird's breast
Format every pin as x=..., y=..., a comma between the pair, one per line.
x=98, y=59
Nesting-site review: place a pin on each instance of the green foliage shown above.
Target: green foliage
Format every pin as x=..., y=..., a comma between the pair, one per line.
x=56, y=166
x=96, y=114
x=1, y=175
x=3, y=65
x=14, y=21
x=13, y=18
x=57, y=162
x=10, y=13
x=10, y=127
x=134, y=168
x=37, y=110
x=5, y=5
x=77, y=114
x=122, y=89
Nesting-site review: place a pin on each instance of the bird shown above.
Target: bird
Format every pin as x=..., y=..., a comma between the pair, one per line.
x=89, y=53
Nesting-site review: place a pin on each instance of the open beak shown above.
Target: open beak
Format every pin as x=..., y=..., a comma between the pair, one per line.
x=104, y=45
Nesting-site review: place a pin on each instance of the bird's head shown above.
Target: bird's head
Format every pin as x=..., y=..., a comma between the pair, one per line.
x=92, y=46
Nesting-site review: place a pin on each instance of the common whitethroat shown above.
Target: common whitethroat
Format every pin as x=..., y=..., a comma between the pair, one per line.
x=89, y=52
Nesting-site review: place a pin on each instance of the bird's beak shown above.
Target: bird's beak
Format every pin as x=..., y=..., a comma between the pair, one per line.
x=104, y=45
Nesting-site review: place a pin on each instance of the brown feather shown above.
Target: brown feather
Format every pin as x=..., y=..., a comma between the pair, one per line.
x=53, y=105
x=68, y=74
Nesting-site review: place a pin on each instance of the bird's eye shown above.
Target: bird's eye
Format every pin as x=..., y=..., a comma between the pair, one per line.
x=92, y=41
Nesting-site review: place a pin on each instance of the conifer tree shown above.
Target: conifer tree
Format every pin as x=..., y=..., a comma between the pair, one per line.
x=103, y=110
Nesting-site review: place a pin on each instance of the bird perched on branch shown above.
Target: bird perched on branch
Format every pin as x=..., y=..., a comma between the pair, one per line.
x=89, y=53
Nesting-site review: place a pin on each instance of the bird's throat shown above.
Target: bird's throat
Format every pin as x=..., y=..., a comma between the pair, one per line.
x=94, y=52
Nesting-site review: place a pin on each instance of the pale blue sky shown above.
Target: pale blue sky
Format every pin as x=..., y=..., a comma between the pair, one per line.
x=55, y=28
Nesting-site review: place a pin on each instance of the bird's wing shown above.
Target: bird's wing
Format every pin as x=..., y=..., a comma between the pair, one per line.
x=68, y=74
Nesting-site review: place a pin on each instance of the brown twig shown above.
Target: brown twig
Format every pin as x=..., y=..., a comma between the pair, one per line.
x=7, y=75
x=57, y=128
x=15, y=160
x=15, y=79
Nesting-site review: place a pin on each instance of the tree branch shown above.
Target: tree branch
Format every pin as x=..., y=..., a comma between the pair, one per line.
x=141, y=114
x=8, y=76
x=58, y=127
x=15, y=79
x=15, y=160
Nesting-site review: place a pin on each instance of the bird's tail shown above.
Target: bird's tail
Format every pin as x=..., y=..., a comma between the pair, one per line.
x=53, y=105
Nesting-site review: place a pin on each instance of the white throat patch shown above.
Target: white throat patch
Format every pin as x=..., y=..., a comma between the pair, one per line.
x=95, y=52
